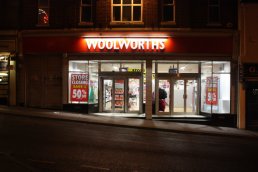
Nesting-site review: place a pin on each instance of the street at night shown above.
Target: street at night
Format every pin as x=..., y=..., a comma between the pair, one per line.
x=37, y=144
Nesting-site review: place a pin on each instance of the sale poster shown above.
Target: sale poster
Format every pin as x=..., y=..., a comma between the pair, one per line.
x=212, y=90
x=79, y=87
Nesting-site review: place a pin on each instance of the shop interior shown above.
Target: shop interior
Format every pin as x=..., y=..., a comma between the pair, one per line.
x=192, y=87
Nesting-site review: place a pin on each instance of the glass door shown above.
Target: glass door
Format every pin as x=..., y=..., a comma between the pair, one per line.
x=121, y=94
x=133, y=94
x=185, y=95
x=163, y=97
x=119, y=103
x=107, y=94
x=179, y=96
x=191, y=96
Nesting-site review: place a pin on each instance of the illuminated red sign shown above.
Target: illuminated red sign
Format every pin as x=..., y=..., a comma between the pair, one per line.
x=147, y=44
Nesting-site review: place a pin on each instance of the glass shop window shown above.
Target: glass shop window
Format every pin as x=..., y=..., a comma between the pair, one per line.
x=215, y=87
x=168, y=67
x=78, y=82
x=93, y=82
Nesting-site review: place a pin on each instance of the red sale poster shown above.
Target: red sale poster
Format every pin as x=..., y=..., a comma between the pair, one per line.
x=212, y=90
x=79, y=87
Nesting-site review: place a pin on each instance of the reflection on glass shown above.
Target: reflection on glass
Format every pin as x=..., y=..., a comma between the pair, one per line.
x=178, y=102
x=107, y=95
x=119, y=95
x=164, y=90
x=133, y=94
x=191, y=98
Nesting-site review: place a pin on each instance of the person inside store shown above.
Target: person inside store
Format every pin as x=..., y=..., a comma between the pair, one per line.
x=162, y=97
x=162, y=102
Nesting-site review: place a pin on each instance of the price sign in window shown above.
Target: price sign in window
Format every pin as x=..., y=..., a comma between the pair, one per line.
x=79, y=87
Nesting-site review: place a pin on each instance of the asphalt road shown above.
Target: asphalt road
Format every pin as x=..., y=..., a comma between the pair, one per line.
x=36, y=144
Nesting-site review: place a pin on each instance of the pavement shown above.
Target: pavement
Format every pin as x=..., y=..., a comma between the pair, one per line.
x=128, y=122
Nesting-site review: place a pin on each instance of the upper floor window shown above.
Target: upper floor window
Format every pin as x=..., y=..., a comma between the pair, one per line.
x=126, y=10
x=86, y=11
x=214, y=11
x=168, y=10
x=43, y=12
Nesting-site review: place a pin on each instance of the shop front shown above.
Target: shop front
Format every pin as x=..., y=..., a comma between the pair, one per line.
x=250, y=81
x=8, y=68
x=143, y=74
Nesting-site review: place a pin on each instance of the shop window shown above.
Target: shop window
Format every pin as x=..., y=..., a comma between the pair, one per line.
x=4, y=79
x=121, y=67
x=110, y=67
x=93, y=82
x=168, y=11
x=214, y=12
x=188, y=68
x=126, y=10
x=167, y=67
x=178, y=67
x=78, y=82
x=131, y=67
x=86, y=11
x=215, y=87
x=43, y=12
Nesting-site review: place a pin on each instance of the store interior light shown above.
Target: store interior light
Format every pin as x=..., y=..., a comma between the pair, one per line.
x=3, y=74
x=115, y=67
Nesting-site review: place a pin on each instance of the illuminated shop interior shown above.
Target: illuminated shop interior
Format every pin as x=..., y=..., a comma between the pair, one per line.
x=192, y=87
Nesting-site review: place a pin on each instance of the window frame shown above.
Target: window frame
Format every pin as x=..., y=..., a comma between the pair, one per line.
x=43, y=7
x=91, y=5
x=210, y=6
x=121, y=5
x=173, y=5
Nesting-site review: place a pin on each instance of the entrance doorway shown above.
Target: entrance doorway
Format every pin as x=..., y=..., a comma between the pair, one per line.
x=251, y=105
x=182, y=95
x=121, y=94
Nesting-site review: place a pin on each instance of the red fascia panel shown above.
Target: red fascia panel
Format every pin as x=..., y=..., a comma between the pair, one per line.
x=58, y=44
